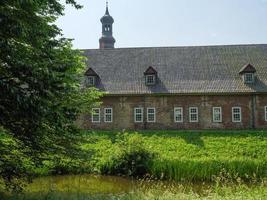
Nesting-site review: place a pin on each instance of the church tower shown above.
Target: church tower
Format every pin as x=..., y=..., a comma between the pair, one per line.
x=107, y=40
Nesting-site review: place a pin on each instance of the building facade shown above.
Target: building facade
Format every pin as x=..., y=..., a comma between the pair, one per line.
x=208, y=87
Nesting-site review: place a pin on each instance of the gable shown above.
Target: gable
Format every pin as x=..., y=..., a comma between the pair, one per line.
x=90, y=72
x=150, y=71
x=247, y=69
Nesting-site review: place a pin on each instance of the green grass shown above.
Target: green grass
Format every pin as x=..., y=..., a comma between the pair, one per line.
x=189, y=155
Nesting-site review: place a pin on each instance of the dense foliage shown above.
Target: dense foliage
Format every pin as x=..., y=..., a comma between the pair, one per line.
x=40, y=76
x=130, y=158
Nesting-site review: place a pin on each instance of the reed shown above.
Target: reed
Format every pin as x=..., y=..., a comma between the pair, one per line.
x=209, y=170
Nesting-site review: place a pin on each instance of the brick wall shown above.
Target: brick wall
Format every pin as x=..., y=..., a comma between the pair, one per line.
x=123, y=112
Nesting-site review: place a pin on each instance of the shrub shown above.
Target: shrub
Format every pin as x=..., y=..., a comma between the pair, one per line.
x=131, y=157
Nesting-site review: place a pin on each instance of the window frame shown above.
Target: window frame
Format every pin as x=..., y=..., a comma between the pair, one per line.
x=89, y=83
x=213, y=114
x=240, y=113
x=105, y=115
x=142, y=115
x=250, y=79
x=154, y=79
x=265, y=113
x=154, y=114
x=99, y=115
x=181, y=113
x=190, y=113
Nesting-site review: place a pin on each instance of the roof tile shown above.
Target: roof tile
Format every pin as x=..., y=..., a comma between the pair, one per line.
x=209, y=69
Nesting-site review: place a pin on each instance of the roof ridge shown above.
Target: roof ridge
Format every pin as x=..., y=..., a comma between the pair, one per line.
x=162, y=47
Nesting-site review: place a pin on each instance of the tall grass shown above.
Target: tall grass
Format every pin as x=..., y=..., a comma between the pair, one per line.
x=208, y=170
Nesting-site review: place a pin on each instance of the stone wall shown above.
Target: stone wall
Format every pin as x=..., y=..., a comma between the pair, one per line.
x=123, y=112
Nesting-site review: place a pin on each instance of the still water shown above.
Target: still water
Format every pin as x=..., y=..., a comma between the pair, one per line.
x=95, y=184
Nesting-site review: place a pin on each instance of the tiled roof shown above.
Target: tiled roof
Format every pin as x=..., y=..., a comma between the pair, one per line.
x=203, y=69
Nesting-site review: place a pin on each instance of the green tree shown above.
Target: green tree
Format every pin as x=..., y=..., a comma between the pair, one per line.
x=40, y=82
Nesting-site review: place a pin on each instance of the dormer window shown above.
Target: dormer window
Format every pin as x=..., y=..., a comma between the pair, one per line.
x=90, y=81
x=150, y=79
x=248, y=78
x=91, y=78
x=150, y=76
x=248, y=74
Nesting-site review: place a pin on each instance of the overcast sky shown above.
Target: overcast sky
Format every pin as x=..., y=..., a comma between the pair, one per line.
x=141, y=23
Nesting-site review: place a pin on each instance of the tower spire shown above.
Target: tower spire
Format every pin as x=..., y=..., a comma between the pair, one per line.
x=107, y=12
x=107, y=40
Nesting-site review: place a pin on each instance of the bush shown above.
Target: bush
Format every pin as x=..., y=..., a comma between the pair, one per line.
x=131, y=157
x=15, y=167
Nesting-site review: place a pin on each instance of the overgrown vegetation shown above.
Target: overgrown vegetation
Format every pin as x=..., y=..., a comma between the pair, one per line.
x=190, y=156
x=130, y=157
x=182, y=156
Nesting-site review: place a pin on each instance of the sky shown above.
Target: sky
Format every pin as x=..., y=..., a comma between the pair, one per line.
x=155, y=23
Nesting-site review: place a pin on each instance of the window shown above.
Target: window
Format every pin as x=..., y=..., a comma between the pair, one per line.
x=108, y=115
x=138, y=115
x=151, y=115
x=106, y=27
x=193, y=114
x=150, y=79
x=96, y=115
x=248, y=77
x=217, y=114
x=178, y=114
x=265, y=108
x=236, y=114
x=90, y=80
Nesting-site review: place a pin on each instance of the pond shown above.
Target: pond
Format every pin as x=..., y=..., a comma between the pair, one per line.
x=96, y=184
x=86, y=187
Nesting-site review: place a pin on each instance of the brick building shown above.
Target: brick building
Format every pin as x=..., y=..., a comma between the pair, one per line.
x=202, y=87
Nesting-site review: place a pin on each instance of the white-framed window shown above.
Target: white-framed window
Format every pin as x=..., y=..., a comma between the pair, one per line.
x=90, y=81
x=108, y=115
x=178, y=114
x=96, y=115
x=150, y=79
x=236, y=114
x=265, y=109
x=193, y=114
x=217, y=114
x=248, y=77
x=151, y=115
x=138, y=115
